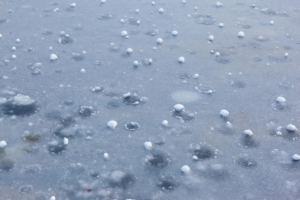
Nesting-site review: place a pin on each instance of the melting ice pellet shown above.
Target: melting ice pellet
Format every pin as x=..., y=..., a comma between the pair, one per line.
x=124, y=33
x=159, y=41
x=178, y=107
x=181, y=59
x=53, y=57
x=296, y=157
x=161, y=10
x=174, y=33
x=291, y=128
x=196, y=76
x=129, y=50
x=3, y=144
x=218, y=4
x=241, y=34
x=221, y=25
x=224, y=113
x=112, y=124
x=281, y=99
x=248, y=133
x=185, y=169
x=165, y=123
x=148, y=146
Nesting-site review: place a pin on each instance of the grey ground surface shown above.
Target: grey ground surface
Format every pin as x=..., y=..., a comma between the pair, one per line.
x=54, y=114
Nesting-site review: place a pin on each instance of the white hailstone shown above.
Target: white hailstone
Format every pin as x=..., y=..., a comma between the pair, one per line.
x=153, y=3
x=138, y=22
x=196, y=76
x=106, y=156
x=185, y=169
x=129, y=50
x=178, y=107
x=124, y=33
x=82, y=70
x=137, y=10
x=241, y=34
x=181, y=59
x=161, y=10
x=218, y=4
x=73, y=5
x=52, y=198
x=14, y=56
x=165, y=123
x=53, y=57
x=196, y=8
x=291, y=128
x=286, y=54
x=3, y=144
x=229, y=125
x=150, y=61
x=174, y=33
x=224, y=113
x=13, y=48
x=221, y=25
x=281, y=99
x=183, y=1
x=50, y=48
x=195, y=158
x=211, y=38
x=148, y=146
x=296, y=157
x=112, y=124
x=0, y=36
x=159, y=41
x=217, y=54
x=271, y=22
x=66, y=141
x=136, y=63
x=248, y=132
x=103, y=1
x=56, y=9
x=18, y=40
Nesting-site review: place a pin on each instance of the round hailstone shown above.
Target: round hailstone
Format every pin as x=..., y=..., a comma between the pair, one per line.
x=153, y=3
x=3, y=144
x=103, y=1
x=181, y=59
x=174, y=33
x=137, y=10
x=296, y=157
x=241, y=34
x=195, y=158
x=218, y=4
x=183, y=1
x=148, y=146
x=291, y=128
x=124, y=33
x=165, y=123
x=13, y=56
x=18, y=40
x=66, y=141
x=286, y=54
x=211, y=38
x=281, y=99
x=271, y=22
x=217, y=54
x=221, y=25
x=129, y=50
x=159, y=41
x=185, y=169
x=161, y=10
x=136, y=63
x=224, y=113
x=106, y=156
x=13, y=48
x=73, y=5
x=112, y=124
x=150, y=61
x=248, y=132
x=138, y=22
x=178, y=107
x=52, y=198
x=0, y=36
x=53, y=57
